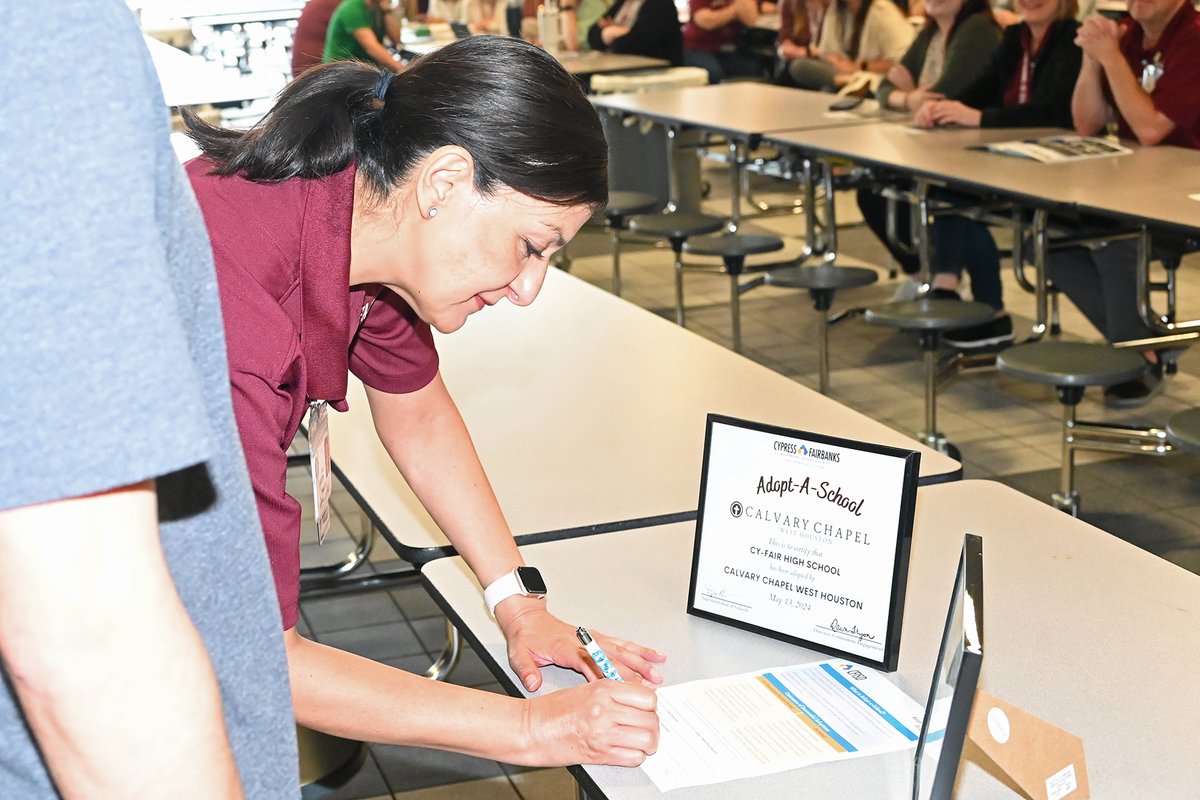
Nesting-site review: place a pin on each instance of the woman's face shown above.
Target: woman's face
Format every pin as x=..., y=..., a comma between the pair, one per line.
x=1038, y=13
x=943, y=11
x=477, y=251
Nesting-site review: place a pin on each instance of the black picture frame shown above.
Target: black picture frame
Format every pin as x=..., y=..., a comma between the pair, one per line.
x=960, y=658
x=904, y=524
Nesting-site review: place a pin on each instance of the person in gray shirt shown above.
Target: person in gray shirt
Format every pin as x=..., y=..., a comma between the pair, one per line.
x=139, y=631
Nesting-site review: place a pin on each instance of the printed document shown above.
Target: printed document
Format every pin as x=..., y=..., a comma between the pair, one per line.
x=722, y=729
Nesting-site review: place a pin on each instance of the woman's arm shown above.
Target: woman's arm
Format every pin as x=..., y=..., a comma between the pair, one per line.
x=900, y=78
x=602, y=722
x=429, y=443
x=968, y=55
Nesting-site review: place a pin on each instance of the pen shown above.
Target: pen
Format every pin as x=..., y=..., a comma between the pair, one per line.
x=593, y=650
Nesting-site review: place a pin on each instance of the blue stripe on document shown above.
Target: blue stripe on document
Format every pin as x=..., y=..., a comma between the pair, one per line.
x=808, y=712
x=878, y=709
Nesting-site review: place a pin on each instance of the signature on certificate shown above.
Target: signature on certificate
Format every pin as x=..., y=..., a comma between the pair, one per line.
x=837, y=627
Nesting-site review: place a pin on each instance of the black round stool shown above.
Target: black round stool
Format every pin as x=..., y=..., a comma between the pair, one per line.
x=676, y=227
x=1183, y=430
x=931, y=318
x=621, y=206
x=1070, y=367
x=822, y=282
x=732, y=249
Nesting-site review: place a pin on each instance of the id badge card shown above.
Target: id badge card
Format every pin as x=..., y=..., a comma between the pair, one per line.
x=318, y=460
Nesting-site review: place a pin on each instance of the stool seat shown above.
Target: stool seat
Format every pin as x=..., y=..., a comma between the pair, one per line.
x=1183, y=430
x=733, y=245
x=825, y=277
x=1071, y=363
x=925, y=314
x=676, y=225
x=623, y=203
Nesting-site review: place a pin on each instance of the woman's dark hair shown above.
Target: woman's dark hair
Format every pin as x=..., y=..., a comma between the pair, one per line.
x=969, y=9
x=856, y=28
x=522, y=117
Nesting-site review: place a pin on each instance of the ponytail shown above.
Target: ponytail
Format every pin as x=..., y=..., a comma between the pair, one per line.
x=522, y=117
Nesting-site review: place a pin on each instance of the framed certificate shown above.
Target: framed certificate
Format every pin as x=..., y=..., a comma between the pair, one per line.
x=804, y=538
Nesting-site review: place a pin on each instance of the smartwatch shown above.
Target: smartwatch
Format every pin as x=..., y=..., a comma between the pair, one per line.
x=525, y=581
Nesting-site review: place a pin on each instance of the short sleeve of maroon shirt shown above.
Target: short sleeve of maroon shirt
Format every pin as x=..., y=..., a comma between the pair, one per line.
x=1176, y=95
x=261, y=234
x=714, y=41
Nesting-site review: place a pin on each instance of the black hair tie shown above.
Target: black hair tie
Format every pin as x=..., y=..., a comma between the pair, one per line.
x=381, y=87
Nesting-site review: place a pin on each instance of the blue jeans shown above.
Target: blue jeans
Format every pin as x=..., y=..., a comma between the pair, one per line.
x=720, y=66
x=963, y=243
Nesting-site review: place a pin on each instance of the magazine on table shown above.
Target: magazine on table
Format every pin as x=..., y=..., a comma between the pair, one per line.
x=1053, y=149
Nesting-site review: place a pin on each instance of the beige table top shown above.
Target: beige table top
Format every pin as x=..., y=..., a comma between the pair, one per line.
x=1151, y=184
x=739, y=109
x=593, y=62
x=1081, y=628
x=587, y=410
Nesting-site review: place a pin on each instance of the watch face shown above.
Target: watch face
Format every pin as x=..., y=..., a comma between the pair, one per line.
x=531, y=579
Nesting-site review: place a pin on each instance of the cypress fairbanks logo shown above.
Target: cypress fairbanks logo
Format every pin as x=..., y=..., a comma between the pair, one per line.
x=807, y=451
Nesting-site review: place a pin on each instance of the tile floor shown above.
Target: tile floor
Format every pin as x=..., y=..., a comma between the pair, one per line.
x=1007, y=431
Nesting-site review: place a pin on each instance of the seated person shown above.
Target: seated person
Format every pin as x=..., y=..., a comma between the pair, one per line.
x=356, y=32
x=1144, y=71
x=1028, y=84
x=587, y=12
x=948, y=55
x=308, y=44
x=858, y=36
x=480, y=16
x=713, y=35
x=800, y=24
x=640, y=27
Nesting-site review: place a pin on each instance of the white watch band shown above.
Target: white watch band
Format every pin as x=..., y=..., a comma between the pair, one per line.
x=502, y=588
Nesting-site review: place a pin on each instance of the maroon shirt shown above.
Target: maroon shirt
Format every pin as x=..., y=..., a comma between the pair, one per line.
x=1177, y=93
x=294, y=326
x=716, y=41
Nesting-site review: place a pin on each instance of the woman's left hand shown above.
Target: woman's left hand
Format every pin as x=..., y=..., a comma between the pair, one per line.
x=952, y=112
x=537, y=638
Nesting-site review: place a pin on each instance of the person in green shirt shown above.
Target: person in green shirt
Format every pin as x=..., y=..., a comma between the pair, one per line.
x=356, y=32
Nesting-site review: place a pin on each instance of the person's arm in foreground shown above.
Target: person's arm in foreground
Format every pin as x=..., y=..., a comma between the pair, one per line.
x=602, y=722
x=1098, y=39
x=426, y=437
x=111, y=674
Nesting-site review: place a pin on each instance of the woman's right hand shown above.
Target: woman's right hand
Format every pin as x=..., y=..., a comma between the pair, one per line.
x=601, y=722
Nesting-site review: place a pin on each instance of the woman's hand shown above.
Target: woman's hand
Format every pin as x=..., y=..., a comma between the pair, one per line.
x=948, y=112
x=610, y=33
x=789, y=50
x=912, y=101
x=604, y=722
x=537, y=638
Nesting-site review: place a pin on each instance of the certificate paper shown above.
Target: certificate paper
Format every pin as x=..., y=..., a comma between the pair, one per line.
x=723, y=729
x=805, y=538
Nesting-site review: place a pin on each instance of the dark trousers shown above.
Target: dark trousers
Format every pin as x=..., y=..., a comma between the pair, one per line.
x=958, y=244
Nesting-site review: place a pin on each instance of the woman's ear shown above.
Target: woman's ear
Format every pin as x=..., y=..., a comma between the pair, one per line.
x=445, y=176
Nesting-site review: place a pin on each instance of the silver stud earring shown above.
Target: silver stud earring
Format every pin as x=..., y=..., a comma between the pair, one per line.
x=432, y=212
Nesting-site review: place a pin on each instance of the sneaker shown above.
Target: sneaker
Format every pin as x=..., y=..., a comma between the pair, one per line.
x=1137, y=392
x=942, y=294
x=997, y=332
x=906, y=289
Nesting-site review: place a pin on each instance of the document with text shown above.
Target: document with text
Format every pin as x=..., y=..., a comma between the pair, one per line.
x=722, y=729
